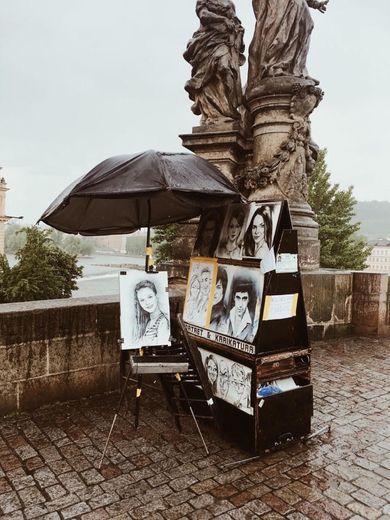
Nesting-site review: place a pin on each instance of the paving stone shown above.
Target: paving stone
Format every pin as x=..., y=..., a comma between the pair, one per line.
x=220, y=506
x=91, y=476
x=224, y=491
x=272, y=515
x=243, y=513
x=16, y=515
x=50, y=516
x=97, y=514
x=184, y=482
x=122, y=506
x=202, y=501
x=102, y=500
x=276, y=503
x=364, y=511
x=45, y=477
x=313, y=510
x=30, y=496
x=180, y=511
x=9, y=502
x=55, y=491
x=75, y=510
x=200, y=514
x=368, y=499
x=334, y=509
x=179, y=497
x=241, y=499
x=147, y=510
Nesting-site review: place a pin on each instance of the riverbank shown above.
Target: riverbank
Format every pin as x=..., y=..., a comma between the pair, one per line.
x=100, y=273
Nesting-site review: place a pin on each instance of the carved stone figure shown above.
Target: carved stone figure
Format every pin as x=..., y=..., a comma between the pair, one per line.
x=216, y=54
x=281, y=39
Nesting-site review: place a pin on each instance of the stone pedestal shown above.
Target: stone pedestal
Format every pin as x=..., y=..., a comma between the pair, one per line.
x=284, y=155
x=371, y=304
x=222, y=145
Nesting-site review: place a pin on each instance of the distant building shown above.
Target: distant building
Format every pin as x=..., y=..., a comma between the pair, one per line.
x=116, y=243
x=379, y=259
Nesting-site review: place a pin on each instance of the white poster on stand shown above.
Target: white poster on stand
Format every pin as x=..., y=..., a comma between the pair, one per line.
x=144, y=308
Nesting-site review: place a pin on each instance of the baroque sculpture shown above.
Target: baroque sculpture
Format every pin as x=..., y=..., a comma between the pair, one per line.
x=269, y=153
x=281, y=39
x=215, y=52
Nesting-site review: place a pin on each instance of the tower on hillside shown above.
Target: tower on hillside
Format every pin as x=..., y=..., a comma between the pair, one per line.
x=3, y=217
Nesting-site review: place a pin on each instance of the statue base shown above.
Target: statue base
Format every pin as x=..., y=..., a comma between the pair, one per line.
x=223, y=145
x=282, y=153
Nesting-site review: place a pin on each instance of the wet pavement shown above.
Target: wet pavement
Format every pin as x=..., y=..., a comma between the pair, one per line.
x=49, y=459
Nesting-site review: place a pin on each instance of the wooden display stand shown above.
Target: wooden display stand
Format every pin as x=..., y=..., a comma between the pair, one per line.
x=279, y=351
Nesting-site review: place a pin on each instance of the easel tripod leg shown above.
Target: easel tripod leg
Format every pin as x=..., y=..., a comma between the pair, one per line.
x=115, y=416
x=192, y=412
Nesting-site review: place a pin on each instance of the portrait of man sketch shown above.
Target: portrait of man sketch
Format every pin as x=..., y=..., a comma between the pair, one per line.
x=198, y=294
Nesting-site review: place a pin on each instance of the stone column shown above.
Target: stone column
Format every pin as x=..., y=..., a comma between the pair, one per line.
x=226, y=147
x=283, y=153
x=3, y=218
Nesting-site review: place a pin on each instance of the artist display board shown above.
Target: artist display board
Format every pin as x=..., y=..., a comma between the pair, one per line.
x=244, y=290
x=244, y=302
x=144, y=309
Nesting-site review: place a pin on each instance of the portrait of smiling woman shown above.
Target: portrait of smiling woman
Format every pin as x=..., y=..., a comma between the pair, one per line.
x=258, y=236
x=152, y=323
x=144, y=303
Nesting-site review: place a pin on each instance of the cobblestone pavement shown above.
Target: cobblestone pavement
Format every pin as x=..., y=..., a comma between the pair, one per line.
x=49, y=459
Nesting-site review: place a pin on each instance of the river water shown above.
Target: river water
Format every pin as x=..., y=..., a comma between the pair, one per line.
x=100, y=273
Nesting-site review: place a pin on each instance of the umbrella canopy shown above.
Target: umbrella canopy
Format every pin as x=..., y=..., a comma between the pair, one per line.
x=126, y=192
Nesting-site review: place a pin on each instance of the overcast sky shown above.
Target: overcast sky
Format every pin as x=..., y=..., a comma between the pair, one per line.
x=82, y=80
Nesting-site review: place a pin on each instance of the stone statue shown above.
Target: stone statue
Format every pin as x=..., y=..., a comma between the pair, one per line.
x=216, y=54
x=281, y=40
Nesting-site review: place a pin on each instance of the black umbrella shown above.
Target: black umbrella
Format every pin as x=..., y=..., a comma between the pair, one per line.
x=127, y=192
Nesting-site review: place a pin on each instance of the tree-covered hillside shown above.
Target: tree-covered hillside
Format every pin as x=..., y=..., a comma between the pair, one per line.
x=374, y=218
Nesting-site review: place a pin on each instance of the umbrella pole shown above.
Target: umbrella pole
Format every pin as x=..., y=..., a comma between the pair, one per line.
x=148, y=251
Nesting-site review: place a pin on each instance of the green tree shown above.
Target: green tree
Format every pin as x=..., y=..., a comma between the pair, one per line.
x=14, y=240
x=135, y=245
x=72, y=244
x=80, y=246
x=43, y=270
x=165, y=236
x=334, y=209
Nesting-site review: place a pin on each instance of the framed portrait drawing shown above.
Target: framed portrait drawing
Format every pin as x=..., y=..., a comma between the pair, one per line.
x=232, y=233
x=209, y=231
x=201, y=280
x=229, y=380
x=237, y=300
x=261, y=224
x=144, y=309
x=231, y=312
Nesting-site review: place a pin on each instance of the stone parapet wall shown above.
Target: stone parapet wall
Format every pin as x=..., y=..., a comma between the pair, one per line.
x=328, y=302
x=58, y=350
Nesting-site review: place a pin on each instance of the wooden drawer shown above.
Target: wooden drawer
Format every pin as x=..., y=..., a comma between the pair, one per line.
x=280, y=365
